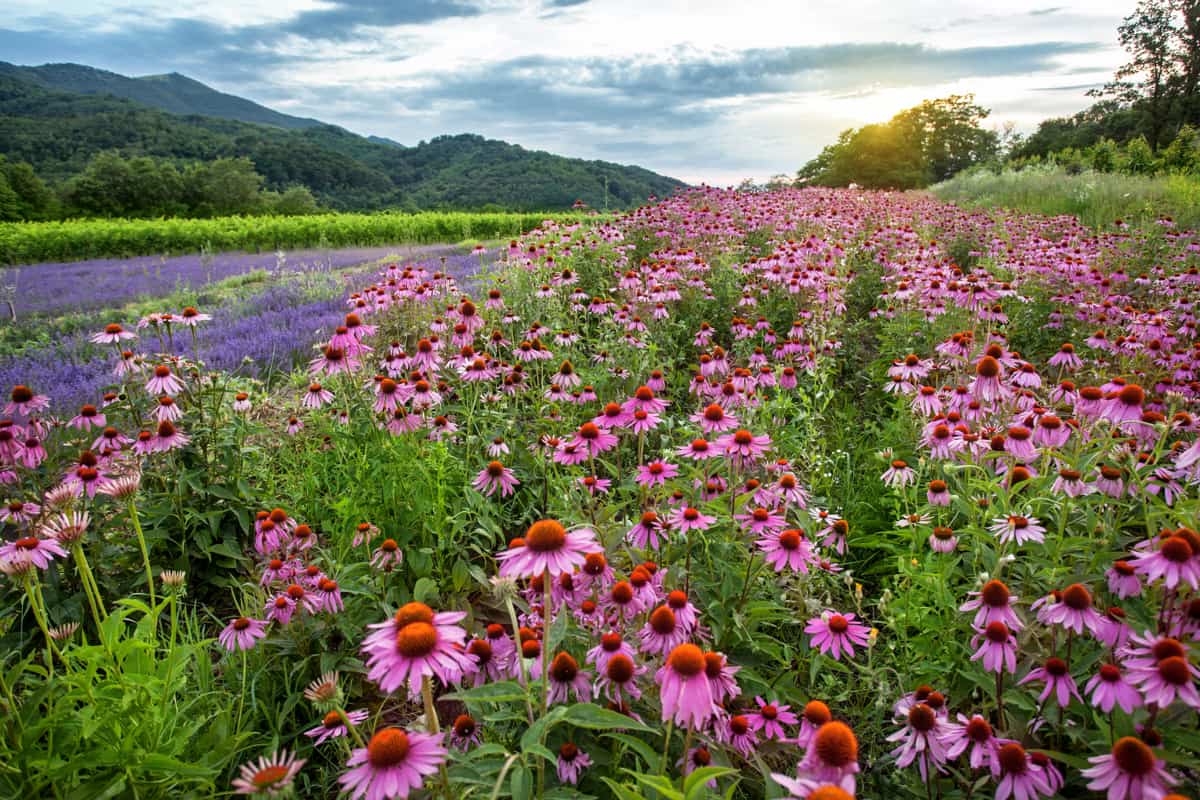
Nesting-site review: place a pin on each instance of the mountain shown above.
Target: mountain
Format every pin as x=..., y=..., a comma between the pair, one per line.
x=173, y=93
x=58, y=131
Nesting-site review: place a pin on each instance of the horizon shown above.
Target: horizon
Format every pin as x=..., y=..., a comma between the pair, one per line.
x=722, y=97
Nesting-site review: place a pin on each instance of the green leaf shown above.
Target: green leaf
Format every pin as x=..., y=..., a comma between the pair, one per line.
x=520, y=782
x=542, y=751
x=426, y=591
x=662, y=786
x=644, y=750
x=622, y=791
x=500, y=692
x=694, y=785
x=589, y=715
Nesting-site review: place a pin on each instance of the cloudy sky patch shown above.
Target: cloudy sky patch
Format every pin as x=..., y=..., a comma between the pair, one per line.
x=699, y=89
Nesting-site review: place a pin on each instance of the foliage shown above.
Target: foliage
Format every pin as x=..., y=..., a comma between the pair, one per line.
x=59, y=133
x=31, y=243
x=1096, y=198
x=921, y=145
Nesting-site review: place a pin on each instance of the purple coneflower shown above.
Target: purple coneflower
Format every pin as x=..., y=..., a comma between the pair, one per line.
x=333, y=726
x=496, y=476
x=547, y=547
x=1056, y=676
x=685, y=689
x=393, y=763
x=835, y=633
x=242, y=633
x=770, y=719
x=997, y=648
x=788, y=549
x=268, y=777
x=571, y=763
x=1014, y=528
x=1108, y=688
x=1131, y=771
x=416, y=642
x=566, y=677
x=655, y=473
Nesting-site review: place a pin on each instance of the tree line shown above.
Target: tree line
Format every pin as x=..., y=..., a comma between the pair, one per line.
x=112, y=185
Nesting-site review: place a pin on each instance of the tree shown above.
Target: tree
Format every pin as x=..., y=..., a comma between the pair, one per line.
x=33, y=199
x=295, y=201
x=224, y=186
x=1160, y=79
x=949, y=134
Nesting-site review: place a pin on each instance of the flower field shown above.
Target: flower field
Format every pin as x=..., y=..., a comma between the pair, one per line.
x=810, y=493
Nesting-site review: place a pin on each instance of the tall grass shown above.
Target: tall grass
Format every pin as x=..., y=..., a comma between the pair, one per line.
x=1096, y=198
x=72, y=240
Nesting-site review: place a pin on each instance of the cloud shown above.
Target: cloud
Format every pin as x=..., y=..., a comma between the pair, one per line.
x=687, y=87
x=346, y=17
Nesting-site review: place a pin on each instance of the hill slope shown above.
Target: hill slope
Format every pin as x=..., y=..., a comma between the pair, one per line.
x=173, y=93
x=58, y=132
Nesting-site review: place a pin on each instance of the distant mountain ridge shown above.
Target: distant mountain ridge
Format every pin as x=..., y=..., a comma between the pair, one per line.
x=173, y=93
x=57, y=116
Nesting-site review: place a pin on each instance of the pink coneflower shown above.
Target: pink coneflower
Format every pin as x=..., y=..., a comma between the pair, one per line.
x=331, y=361
x=163, y=381
x=24, y=402
x=698, y=450
x=770, y=719
x=898, y=475
x=1125, y=405
x=268, y=777
x=815, y=715
x=464, y=733
x=167, y=437
x=88, y=417
x=686, y=518
x=834, y=634
x=921, y=741
x=997, y=648
x=644, y=399
x=662, y=632
x=610, y=645
x=547, y=546
x=943, y=540
x=496, y=476
x=714, y=419
x=938, y=493
x=1056, y=676
x=685, y=689
x=656, y=473
x=786, y=489
x=737, y=732
x=1170, y=560
x=334, y=727
x=742, y=447
x=1123, y=580
x=1075, y=612
x=414, y=643
x=1015, y=528
x=241, y=403
x=595, y=486
x=762, y=520
x=393, y=763
x=594, y=440
x=788, y=549
x=566, y=677
x=1131, y=771
x=1066, y=358
x=17, y=511
x=316, y=396
x=113, y=333
x=993, y=602
x=832, y=757
x=1019, y=777
x=1070, y=482
x=1160, y=669
x=242, y=633
x=618, y=679
x=190, y=317
x=1108, y=688
x=976, y=735
x=571, y=763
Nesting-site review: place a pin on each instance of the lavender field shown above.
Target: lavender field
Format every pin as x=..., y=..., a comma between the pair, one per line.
x=267, y=309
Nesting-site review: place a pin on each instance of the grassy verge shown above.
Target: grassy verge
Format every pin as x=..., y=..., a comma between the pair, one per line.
x=1096, y=198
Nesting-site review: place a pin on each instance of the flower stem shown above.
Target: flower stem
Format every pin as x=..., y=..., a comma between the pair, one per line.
x=137, y=528
x=434, y=727
x=89, y=585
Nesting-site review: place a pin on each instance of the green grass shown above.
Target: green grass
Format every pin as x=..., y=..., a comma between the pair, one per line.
x=1096, y=198
x=72, y=240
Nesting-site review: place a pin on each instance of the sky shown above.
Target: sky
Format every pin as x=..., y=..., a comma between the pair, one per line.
x=705, y=91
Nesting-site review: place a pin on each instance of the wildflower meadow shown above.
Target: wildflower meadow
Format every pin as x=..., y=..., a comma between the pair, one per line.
x=805, y=493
